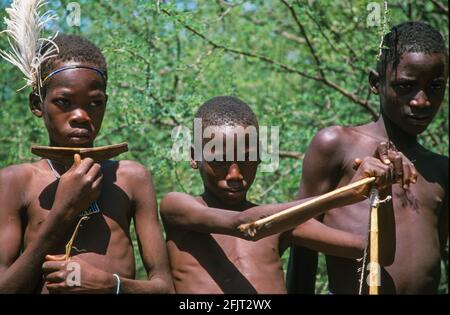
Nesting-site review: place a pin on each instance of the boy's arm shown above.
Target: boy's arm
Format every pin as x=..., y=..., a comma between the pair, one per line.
x=320, y=172
x=20, y=273
x=187, y=213
x=443, y=220
x=319, y=237
x=152, y=245
x=184, y=211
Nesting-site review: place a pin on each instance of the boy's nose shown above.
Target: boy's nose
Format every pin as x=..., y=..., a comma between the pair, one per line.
x=420, y=100
x=234, y=173
x=80, y=116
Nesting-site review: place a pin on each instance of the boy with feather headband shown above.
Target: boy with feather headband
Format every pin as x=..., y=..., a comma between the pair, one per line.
x=41, y=202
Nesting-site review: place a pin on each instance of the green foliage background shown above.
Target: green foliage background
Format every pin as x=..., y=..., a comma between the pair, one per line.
x=166, y=58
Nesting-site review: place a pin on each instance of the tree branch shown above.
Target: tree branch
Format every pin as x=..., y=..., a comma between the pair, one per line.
x=440, y=6
x=292, y=155
x=305, y=36
x=280, y=65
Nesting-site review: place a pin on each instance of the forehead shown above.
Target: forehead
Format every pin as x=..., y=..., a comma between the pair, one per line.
x=76, y=79
x=236, y=133
x=229, y=131
x=418, y=64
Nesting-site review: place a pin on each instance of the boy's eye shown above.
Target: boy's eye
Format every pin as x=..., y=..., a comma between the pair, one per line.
x=62, y=102
x=96, y=103
x=437, y=86
x=404, y=86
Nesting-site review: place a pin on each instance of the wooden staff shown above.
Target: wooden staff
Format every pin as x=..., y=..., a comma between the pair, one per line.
x=374, y=276
x=286, y=215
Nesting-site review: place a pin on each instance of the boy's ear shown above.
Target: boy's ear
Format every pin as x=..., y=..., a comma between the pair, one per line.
x=34, y=101
x=374, y=81
x=192, y=162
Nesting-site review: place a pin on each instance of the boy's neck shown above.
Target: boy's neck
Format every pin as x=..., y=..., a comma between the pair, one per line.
x=59, y=168
x=387, y=129
x=214, y=202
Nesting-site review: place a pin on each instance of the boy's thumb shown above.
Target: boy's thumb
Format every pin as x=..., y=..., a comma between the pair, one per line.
x=76, y=159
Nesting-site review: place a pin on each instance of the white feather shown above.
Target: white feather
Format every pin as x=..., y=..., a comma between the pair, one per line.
x=24, y=26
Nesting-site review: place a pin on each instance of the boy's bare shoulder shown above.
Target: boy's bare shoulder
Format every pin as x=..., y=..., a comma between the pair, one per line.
x=15, y=181
x=131, y=176
x=18, y=174
x=171, y=199
x=329, y=139
x=130, y=170
x=439, y=162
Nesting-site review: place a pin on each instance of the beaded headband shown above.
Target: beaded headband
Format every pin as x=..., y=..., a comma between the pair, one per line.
x=51, y=74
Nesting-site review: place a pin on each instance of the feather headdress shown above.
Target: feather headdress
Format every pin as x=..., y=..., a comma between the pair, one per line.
x=24, y=27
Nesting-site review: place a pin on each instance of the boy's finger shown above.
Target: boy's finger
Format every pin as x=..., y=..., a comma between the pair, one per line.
x=413, y=175
x=406, y=175
x=356, y=163
x=94, y=171
x=98, y=182
x=398, y=168
x=85, y=165
x=56, y=277
x=382, y=151
x=55, y=287
x=50, y=266
x=55, y=257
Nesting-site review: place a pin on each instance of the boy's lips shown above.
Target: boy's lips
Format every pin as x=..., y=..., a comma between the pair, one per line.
x=235, y=190
x=419, y=119
x=80, y=134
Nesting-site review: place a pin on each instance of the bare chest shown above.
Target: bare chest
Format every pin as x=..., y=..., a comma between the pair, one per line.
x=103, y=240
x=226, y=264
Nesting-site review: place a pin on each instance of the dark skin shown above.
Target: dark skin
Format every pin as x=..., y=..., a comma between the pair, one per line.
x=208, y=254
x=36, y=224
x=414, y=228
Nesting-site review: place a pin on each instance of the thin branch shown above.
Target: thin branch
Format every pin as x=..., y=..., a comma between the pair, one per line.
x=351, y=96
x=440, y=7
x=292, y=37
x=245, y=53
x=305, y=36
x=322, y=32
x=292, y=155
x=280, y=65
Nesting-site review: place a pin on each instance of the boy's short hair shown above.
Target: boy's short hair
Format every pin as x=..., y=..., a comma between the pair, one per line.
x=409, y=37
x=226, y=110
x=73, y=48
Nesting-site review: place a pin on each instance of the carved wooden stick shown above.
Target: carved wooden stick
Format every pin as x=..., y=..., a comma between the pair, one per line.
x=285, y=215
x=374, y=265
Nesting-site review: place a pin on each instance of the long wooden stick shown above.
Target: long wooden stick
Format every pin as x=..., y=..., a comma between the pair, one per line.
x=252, y=227
x=374, y=276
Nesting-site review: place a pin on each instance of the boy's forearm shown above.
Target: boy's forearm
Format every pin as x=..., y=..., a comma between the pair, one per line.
x=155, y=285
x=328, y=240
x=300, y=217
x=24, y=274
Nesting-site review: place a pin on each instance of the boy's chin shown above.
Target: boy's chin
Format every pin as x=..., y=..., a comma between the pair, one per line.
x=233, y=198
x=73, y=143
x=415, y=130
